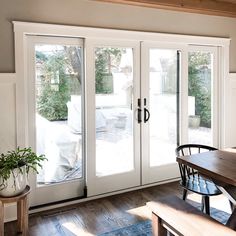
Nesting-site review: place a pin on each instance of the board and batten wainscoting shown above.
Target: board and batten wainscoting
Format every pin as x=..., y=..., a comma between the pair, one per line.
x=8, y=118
x=8, y=124
x=230, y=112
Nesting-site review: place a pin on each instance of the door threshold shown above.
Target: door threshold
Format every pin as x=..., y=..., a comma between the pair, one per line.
x=72, y=201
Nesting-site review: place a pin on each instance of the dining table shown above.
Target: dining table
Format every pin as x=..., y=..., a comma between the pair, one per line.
x=220, y=167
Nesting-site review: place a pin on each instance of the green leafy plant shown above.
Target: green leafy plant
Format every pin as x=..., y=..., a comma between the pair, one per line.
x=15, y=160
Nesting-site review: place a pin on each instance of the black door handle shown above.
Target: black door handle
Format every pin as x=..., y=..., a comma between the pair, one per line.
x=139, y=115
x=139, y=111
x=146, y=115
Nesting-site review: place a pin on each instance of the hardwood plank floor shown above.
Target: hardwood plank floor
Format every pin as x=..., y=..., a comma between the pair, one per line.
x=97, y=216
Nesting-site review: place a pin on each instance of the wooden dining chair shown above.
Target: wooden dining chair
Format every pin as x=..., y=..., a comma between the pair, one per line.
x=192, y=181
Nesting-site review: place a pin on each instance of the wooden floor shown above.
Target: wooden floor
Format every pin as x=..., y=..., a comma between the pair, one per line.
x=97, y=216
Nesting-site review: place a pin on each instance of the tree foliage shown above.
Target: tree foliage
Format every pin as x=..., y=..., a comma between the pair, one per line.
x=61, y=77
x=57, y=82
x=200, y=85
x=106, y=60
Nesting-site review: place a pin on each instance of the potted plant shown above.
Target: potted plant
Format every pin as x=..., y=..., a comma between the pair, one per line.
x=14, y=169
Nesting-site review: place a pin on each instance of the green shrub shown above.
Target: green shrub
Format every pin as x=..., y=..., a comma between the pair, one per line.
x=200, y=85
x=106, y=60
x=56, y=84
x=51, y=104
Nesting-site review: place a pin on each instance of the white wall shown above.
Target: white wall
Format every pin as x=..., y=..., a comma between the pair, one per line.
x=108, y=15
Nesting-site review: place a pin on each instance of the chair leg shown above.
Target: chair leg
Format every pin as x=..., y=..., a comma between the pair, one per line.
x=206, y=204
x=202, y=204
x=231, y=223
x=185, y=193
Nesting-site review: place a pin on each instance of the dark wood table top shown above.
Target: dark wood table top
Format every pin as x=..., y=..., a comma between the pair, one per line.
x=217, y=165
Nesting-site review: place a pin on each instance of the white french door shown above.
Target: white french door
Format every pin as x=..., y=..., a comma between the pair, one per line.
x=203, y=95
x=108, y=114
x=179, y=88
x=56, y=117
x=113, y=133
x=137, y=121
x=160, y=86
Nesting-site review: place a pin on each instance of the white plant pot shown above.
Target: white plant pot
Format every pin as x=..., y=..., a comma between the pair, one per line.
x=15, y=184
x=194, y=121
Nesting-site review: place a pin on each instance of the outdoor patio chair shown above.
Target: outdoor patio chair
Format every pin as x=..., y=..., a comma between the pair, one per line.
x=192, y=181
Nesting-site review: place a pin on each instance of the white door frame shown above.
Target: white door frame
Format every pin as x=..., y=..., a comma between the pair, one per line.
x=22, y=29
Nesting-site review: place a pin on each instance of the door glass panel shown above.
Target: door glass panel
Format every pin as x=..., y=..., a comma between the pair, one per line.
x=162, y=90
x=114, y=113
x=59, y=111
x=200, y=97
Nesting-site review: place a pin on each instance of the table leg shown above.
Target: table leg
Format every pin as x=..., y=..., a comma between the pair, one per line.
x=1, y=219
x=157, y=228
x=232, y=206
x=230, y=192
x=231, y=223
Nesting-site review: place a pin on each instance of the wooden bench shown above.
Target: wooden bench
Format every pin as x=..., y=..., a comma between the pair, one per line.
x=172, y=214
